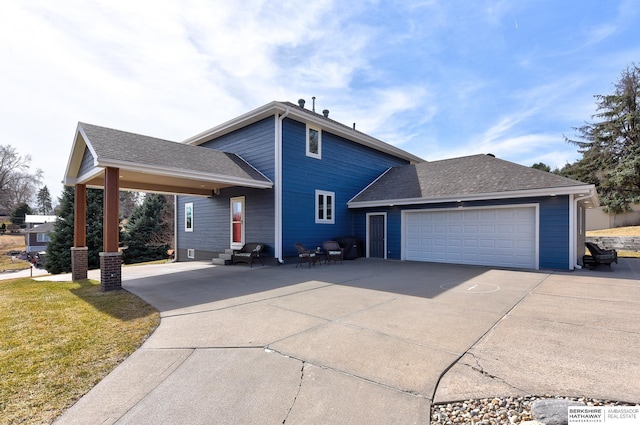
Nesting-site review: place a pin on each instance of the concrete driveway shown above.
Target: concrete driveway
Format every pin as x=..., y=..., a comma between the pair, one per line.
x=366, y=342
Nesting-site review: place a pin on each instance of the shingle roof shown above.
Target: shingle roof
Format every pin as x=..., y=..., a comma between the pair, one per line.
x=123, y=147
x=43, y=228
x=449, y=178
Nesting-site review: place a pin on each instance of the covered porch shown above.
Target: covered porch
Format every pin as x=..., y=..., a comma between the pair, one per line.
x=115, y=160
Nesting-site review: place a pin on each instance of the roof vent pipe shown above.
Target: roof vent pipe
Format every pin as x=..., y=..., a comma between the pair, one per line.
x=325, y=112
x=301, y=103
x=314, y=103
x=354, y=126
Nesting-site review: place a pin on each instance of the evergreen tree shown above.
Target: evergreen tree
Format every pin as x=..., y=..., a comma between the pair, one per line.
x=541, y=166
x=95, y=208
x=44, y=201
x=58, y=259
x=610, y=147
x=19, y=213
x=143, y=233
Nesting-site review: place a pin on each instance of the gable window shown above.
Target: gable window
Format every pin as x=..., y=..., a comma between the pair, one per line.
x=314, y=142
x=325, y=206
x=188, y=217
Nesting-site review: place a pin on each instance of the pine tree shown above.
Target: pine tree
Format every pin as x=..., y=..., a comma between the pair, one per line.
x=58, y=259
x=144, y=231
x=18, y=215
x=95, y=208
x=44, y=201
x=610, y=147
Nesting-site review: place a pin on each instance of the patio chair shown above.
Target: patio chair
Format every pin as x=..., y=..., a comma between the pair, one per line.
x=249, y=252
x=333, y=251
x=602, y=256
x=305, y=255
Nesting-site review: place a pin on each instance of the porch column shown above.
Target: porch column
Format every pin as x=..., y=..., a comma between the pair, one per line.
x=79, y=252
x=110, y=258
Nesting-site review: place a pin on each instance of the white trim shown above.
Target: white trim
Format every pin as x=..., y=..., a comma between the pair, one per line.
x=175, y=228
x=191, y=253
x=308, y=152
x=304, y=116
x=386, y=232
x=179, y=173
x=241, y=200
x=325, y=194
x=277, y=192
x=187, y=206
x=369, y=185
x=587, y=191
x=536, y=206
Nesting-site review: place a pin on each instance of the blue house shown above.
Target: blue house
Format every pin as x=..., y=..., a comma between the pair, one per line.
x=284, y=174
x=330, y=180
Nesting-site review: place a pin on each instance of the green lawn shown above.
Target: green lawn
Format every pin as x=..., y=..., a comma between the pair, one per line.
x=59, y=339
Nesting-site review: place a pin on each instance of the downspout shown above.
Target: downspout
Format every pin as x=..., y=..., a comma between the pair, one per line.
x=175, y=228
x=573, y=237
x=278, y=186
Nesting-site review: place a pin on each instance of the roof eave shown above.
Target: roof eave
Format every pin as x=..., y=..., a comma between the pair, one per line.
x=276, y=107
x=180, y=173
x=587, y=192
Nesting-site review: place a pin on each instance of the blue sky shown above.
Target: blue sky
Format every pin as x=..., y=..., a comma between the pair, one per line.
x=437, y=78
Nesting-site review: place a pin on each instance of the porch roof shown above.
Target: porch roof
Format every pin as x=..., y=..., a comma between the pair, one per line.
x=149, y=164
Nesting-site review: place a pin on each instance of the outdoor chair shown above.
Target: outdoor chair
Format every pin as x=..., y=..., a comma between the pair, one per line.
x=602, y=256
x=333, y=251
x=305, y=255
x=248, y=253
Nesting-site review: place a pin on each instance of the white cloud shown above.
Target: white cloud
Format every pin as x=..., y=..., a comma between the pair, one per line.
x=434, y=78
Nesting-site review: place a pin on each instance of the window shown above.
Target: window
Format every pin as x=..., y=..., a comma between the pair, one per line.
x=191, y=253
x=325, y=205
x=314, y=142
x=43, y=237
x=188, y=217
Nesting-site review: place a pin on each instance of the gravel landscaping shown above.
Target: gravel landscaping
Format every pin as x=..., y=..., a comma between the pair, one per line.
x=499, y=411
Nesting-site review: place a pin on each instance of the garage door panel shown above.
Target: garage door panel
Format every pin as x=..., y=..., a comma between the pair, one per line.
x=499, y=236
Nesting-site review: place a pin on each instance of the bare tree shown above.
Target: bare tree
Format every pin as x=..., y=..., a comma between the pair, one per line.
x=17, y=184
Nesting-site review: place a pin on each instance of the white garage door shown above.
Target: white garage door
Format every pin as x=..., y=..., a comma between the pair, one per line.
x=503, y=237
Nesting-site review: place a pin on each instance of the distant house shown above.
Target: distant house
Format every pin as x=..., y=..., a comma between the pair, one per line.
x=32, y=220
x=37, y=238
x=283, y=174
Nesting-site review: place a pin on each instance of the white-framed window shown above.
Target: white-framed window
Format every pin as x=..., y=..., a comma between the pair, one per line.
x=188, y=217
x=191, y=253
x=43, y=237
x=325, y=207
x=314, y=142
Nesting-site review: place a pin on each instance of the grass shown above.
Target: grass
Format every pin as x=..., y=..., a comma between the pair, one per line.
x=11, y=242
x=59, y=339
x=619, y=231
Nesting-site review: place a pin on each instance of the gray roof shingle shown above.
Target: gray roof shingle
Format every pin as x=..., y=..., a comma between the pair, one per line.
x=469, y=175
x=120, y=146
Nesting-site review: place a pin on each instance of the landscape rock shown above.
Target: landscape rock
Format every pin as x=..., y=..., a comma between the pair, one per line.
x=553, y=411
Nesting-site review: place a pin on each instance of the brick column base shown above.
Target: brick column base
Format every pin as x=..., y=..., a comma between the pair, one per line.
x=110, y=271
x=79, y=263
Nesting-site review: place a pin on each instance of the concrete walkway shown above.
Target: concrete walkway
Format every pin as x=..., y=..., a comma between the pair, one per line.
x=366, y=342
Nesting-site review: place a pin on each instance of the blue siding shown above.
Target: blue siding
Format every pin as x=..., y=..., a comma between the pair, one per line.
x=345, y=169
x=211, y=233
x=87, y=162
x=211, y=221
x=553, y=236
x=255, y=143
